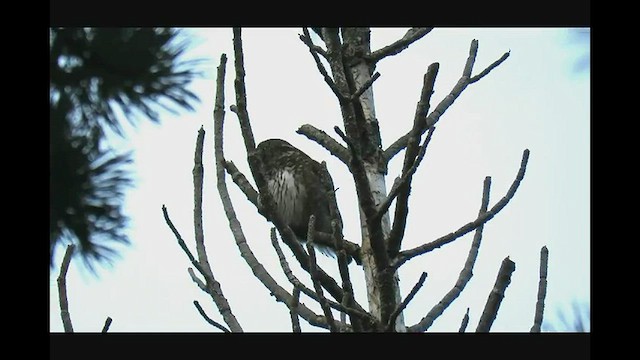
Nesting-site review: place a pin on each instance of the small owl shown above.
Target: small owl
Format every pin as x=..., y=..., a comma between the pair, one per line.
x=294, y=181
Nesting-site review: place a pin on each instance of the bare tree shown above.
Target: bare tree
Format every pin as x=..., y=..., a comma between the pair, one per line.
x=350, y=75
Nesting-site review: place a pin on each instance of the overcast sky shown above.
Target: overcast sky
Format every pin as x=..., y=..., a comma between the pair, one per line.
x=538, y=99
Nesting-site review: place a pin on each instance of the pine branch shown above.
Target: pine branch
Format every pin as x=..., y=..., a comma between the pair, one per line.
x=465, y=274
x=413, y=35
x=406, y=255
x=497, y=294
x=62, y=289
x=542, y=290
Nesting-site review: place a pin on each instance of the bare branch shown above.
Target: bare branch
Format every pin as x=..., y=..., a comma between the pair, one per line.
x=403, y=256
x=181, y=242
x=400, y=182
x=208, y=319
x=497, y=294
x=465, y=274
x=542, y=289
x=241, y=92
x=445, y=103
x=490, y=67
x=332, y=85
x=107, y=324
x=293, y=310
x=405, y=302
x=356, y=95
x=213, y=286
x=335, y=148
x=367, y=204
x=306, y=39
x=198, y=177
x=62, y=290
x=465, y=322
x=419, y=125
x=413, y=35
x=258, y=270
x=242, y=182
x=353, y=312
x=196, y=280
x=314, y=276
x=348, y=299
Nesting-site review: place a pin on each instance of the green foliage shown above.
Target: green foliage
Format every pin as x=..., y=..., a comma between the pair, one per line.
x=96, y=74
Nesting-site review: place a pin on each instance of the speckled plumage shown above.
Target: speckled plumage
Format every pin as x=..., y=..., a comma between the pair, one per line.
x=294, y=181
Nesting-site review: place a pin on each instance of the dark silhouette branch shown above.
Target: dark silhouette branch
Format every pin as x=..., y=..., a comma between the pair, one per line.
x=208, y=319
x=542, y=290
x=412, y=35
x=107, y=325
x=465, y=274
x=406, y=255
x=405, y=302
x=323, y=139
x=62, y=289
x=497, y=294
x=465, y=322
x=181, y=242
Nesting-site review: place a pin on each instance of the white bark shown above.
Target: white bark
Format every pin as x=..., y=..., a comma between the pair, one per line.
x=378, y=186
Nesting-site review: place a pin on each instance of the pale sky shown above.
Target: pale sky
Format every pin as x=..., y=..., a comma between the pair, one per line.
x=535, y=100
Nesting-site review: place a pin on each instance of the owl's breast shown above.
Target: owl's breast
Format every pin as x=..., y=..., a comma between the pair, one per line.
x=289, y=196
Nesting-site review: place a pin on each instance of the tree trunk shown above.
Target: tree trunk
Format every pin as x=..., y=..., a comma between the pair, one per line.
x=357, y=44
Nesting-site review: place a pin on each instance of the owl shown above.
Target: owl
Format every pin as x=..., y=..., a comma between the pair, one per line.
x=294, y=182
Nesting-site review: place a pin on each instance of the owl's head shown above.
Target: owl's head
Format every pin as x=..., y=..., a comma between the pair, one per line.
x=273, y=147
